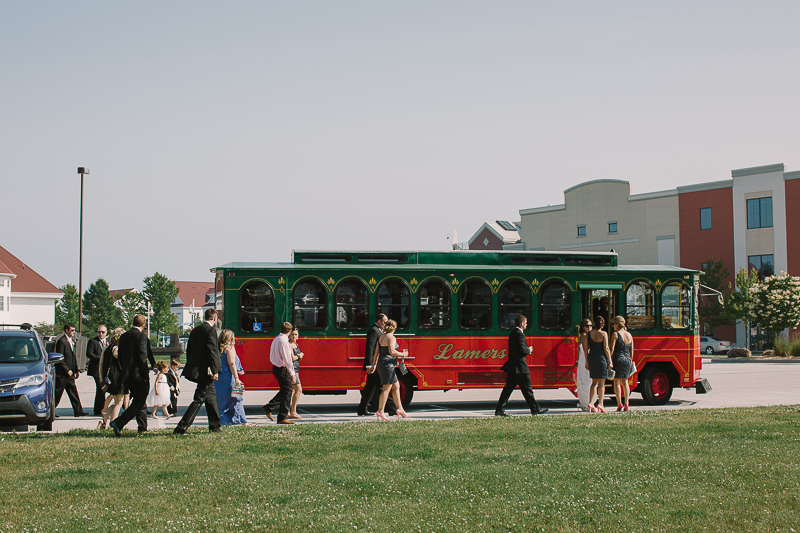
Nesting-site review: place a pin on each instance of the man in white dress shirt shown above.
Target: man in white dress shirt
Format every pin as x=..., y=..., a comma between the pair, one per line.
x=280, y=355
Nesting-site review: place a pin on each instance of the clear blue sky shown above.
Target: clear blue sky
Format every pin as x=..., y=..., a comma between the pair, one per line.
x=238, y=131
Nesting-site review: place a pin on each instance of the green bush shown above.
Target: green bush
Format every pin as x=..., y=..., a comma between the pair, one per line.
x=738, y=352
x=787, y=348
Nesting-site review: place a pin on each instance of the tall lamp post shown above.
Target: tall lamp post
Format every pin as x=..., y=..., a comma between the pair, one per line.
x=81, y=171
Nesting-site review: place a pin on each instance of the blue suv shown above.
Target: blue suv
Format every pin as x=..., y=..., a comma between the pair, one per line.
x=27, y=379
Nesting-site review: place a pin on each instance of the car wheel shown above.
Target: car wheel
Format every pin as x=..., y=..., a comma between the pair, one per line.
x=47, y=425
x=710, y=350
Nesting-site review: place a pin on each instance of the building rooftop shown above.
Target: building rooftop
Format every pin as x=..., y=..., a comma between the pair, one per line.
x=27, y=279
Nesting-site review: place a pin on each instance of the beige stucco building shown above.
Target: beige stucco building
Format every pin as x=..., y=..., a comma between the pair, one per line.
x=601, y=215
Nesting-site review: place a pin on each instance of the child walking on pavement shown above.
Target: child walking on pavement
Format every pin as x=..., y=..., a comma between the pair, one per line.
x=159, y=396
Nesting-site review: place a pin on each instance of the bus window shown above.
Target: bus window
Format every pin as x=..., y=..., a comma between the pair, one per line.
x=675, y=308
x=256, y=307
x=640, y=306
x=310, y=299
x=555, y=306
x=475, y=304
x=352, y=304
x=394, y=300
x=434, y=305
x=515, y=299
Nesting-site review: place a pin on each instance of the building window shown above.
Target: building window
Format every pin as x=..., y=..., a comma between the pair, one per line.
x=475, y=304
x=1, y=303
x=515, y=299
x=352, y=304
x=582, y=231
x=612, y=227
x=394, y=301
x=705, y=218
x=434, y=305
x=555, y=306
x=256, y=307
x=759, y=213
x=310, y=299
x=765, y=264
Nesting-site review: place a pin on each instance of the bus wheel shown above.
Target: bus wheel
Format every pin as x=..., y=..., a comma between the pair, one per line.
x=406, y=389
x=657, y=389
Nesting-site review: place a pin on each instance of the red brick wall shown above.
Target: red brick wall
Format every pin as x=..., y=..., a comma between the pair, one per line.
x=494, y=242
x=698, y=246
x=792, y=188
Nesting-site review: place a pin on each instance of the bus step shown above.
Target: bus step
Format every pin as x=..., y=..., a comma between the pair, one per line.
x=702, y=386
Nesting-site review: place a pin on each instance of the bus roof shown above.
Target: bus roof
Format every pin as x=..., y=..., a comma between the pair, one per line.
x=455, y=260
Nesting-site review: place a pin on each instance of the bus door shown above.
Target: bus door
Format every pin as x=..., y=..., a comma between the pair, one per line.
x=600, y=299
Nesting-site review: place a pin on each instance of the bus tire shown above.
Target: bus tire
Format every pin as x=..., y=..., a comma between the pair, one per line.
x=656, y=385
x=407, y=382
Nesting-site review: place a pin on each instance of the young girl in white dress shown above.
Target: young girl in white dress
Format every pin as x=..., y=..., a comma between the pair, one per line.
x=159, y=396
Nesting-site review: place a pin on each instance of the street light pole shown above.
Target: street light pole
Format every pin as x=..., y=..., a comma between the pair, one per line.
x=81, y=171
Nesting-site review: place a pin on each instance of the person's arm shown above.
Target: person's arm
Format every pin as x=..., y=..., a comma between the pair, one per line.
x=374, y=357
x=608, y=353
x=212, y=346
x=231, y=357
x=392, y=345
x=286, y=356
x=612, y=342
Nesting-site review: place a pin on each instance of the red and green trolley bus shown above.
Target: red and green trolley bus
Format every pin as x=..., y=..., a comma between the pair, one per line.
x=454, y=311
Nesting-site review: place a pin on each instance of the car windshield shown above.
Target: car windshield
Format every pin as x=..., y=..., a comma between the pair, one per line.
x=18, y=350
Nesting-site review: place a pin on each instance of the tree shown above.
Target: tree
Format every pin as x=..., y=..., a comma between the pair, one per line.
x=740, y=297
x=131, y=304
x=711, y=311
x=67, y=307
x=775, y=302
x=99, y=308
x=46, y=330
x=161, y=291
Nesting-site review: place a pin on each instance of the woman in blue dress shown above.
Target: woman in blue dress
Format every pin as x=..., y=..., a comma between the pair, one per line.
x=231, y=410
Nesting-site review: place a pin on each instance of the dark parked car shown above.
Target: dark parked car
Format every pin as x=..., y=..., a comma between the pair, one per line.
x=27, y=379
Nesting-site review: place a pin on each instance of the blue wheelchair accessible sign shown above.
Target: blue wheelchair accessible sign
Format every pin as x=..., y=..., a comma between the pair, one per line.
x=256, y=326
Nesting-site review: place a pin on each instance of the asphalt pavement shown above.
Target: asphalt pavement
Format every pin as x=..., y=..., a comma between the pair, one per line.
x=735, y=383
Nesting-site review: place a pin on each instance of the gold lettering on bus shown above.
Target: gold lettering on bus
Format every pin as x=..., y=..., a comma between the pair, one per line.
x=445, y=352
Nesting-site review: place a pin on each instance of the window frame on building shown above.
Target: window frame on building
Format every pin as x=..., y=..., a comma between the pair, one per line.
x=757, y=261
x=581, y=230
x=759, y=212
x=706, y=221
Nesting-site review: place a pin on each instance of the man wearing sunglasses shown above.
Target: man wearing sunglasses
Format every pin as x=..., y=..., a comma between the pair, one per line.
x=94, y=352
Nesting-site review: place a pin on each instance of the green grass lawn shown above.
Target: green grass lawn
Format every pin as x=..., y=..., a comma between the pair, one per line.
x=696, y=470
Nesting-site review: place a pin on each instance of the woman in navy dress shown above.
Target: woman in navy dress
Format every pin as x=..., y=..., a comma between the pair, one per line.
x=231, y=410
x=622, y=356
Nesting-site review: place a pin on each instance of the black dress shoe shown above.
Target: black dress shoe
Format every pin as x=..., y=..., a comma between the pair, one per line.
x=267, y=411
x=218, y=430
x=366, y=413
x=82, y=413
x=113, y=425
x=540, y=411
x=179, y=431
x=501, y=413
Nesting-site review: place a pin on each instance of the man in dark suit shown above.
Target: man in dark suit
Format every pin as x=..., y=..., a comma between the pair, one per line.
x=67, y=370
x=94, y=352
x=373, y=384
x=133, y=359
x=517, y=372
x=203, y=366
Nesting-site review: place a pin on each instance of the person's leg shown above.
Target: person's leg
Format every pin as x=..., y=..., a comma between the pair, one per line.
x=138, y=405
x=285, y=392
x=61, y=383
x=627, y=387
x=505, y=394
x=618, y=393
x=371, y=386
x=396, y=395
x=99, y=394
x=191, y=411
x=212, y=408
x=74, y=399
x=297, y=390
x=601, y=391
x=524, y=382
x=382, y=401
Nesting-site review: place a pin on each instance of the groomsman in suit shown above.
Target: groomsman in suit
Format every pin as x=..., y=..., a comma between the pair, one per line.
x=133, y=359
x=203, y=366
x=517, y=372
x=94, y=352
x=373, y=384
x=67, y=370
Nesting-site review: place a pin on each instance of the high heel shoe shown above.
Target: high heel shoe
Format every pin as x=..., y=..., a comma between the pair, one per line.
x=381, y=416
x=592, y=409
x=619, y=407
x=402, y=413
x=601, y=409
x=626, y=408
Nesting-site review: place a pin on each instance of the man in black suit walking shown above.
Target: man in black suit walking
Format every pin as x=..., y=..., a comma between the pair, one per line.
x=133, y=359
x=94, y=352
x=67, y=370
x=373, y=383
x=203, y=366
x=517, y=372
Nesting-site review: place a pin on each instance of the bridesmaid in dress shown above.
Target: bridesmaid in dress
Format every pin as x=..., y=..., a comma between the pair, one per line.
x=622, y=356
x=231, y=410
x=583, y=381
x=385, y=361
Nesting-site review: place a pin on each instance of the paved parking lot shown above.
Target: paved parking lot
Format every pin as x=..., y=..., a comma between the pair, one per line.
x=735, y=383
